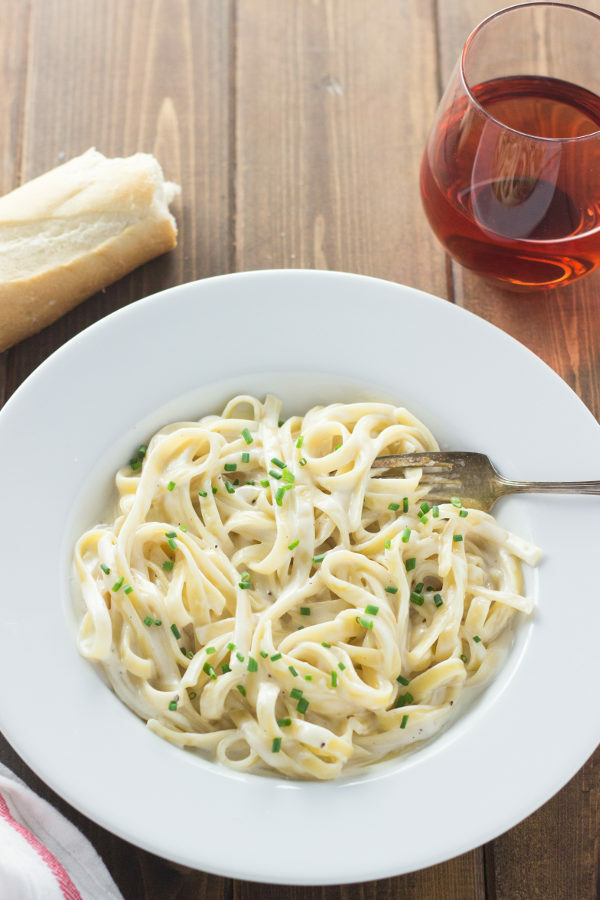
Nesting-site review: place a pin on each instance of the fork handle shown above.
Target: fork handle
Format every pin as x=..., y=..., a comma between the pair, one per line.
x=549, y=487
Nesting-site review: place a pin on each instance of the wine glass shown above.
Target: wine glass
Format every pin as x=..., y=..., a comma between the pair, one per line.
x=510, y=177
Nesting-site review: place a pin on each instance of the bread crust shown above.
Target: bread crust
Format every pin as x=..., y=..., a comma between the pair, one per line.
x=89, y=184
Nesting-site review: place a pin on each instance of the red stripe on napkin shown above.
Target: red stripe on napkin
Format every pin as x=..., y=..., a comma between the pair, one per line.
x=67, y=887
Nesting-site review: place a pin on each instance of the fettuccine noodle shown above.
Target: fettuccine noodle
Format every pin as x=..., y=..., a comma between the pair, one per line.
x=262, y=597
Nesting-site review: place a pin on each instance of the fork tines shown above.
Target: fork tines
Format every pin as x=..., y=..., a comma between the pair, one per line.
x=440, y=470
x=417, y=460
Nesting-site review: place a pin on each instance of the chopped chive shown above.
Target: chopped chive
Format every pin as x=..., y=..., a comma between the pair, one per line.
x=419, y=587
x=457, y=538
x=404, y=721
x=464, y=658
x=190, y=654
x=437, y=599
x=276, y=746
x=435, y=512
x=296, y=694
x=209, y=650
x=463, y=513
x=252, y=664
x=405, y=504
x=245, y=457
x=231, y=646
x=135, y=464
x=118, y=584
x=425, y=507
x=214, y=490
x=300, y=441
x=279, y=496
x=148, y=621
x=308, y=677
x=173, y=705
x=410, y=563
x=391, y=589
x=172, y=543
x=264, y=654
x=241, y=689
x=387, y=544
x=417, y=599
x=239, y=656
x=280, y=423
x=402, y=680
x=371, y=610
x=183, y=651
x=403, y=700
x=293, y=671
x=105, y=569
x=284, y=723
x=230, y=467
x=157, y=622
x=265, y=483
x=275, y=474
x=341, y=666
x=294, y=544
x=366, y=623
x=202, y=494
x=289, y=476
x=247, y=436
x=325, y=644
x=318, y=559
x=142, y=450
x=302, y=461
x=334, y=679
x=275, y=657
x=127, y=589
x=405, y=535
x=225, y=668
x=302, y=705
x=229, y=487
x=208, y=670
x=170, y=534
x=305, y=610
x=277, y=462
x=245, y=576
x=394, y=506
x=183, y=528
x=477, y=639
x=456, y=501
x=176, y=631
x=244, y=585
x=171, y=486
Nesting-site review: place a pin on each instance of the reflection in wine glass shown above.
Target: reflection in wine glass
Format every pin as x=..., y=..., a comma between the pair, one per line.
x=514, y=174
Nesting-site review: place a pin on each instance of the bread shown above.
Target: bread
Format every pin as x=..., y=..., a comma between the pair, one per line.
x=75, y=229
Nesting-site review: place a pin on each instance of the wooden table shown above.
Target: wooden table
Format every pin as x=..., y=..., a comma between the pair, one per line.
x=295, y=128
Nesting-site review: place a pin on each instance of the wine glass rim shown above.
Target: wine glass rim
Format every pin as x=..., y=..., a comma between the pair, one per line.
x=482, y=109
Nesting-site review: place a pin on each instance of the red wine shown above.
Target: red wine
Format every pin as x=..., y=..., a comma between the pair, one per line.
x=513, y=207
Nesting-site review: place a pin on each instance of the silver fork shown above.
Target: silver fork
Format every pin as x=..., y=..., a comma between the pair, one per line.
x=472, y=478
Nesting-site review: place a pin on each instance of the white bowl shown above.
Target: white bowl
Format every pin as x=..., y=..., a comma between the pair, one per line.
x=310, y=337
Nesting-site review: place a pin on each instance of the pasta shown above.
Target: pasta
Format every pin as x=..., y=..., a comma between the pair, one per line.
x=260, y=596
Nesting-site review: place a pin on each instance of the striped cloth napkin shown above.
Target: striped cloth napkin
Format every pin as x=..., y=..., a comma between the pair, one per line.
x=42, y=855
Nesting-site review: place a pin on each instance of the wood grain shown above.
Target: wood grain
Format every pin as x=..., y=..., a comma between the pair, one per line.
x=335, y=185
